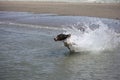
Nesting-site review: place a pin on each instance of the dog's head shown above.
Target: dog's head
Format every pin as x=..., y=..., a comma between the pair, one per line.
x=62, y=37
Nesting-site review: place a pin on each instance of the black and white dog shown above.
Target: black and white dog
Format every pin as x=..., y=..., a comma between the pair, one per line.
x=66, y=40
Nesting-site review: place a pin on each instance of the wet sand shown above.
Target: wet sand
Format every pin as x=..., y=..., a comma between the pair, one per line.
x=104, y=10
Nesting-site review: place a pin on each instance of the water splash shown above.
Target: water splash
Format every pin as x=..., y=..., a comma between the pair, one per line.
x=92, y=36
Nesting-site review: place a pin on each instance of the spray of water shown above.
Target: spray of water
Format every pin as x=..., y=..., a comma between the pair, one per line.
x=92, y=36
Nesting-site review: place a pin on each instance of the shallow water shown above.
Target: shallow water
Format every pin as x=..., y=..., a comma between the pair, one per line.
x=28, y=52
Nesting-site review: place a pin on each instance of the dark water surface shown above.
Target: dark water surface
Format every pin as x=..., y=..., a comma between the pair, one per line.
x=30, y=53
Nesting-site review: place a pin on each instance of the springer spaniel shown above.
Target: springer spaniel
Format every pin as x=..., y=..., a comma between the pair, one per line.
x=66, y=40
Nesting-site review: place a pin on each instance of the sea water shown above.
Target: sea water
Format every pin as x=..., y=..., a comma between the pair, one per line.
x=28, y=51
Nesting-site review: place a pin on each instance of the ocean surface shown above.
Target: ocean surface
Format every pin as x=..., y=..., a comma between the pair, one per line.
x=28, y=51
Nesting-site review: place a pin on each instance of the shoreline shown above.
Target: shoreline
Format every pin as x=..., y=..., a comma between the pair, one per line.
x=102, y=10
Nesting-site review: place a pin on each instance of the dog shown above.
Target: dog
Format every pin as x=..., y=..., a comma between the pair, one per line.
x=62, y=37
x=66, y=40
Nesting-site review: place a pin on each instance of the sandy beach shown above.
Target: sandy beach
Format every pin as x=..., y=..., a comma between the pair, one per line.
x=104, y=10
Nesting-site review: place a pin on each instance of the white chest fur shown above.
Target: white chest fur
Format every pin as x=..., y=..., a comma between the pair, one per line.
x=70, y=44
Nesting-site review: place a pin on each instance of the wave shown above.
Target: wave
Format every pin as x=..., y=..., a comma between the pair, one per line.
x=30, y=25
x=92, y=36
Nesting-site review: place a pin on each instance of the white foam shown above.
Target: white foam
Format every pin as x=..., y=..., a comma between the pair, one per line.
x=98, y=39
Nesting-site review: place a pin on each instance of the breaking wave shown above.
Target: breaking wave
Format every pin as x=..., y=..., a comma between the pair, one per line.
x=92, y=36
